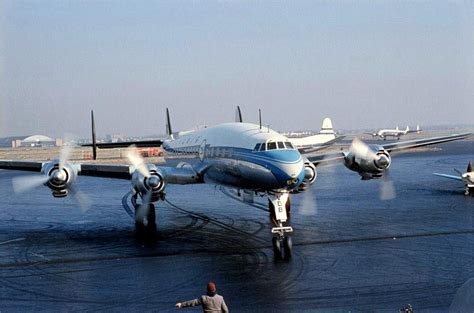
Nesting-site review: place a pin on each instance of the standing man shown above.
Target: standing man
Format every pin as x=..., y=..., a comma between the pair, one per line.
x=211, y=303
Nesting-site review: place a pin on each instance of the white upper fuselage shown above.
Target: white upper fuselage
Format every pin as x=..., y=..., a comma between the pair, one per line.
x=240, y=155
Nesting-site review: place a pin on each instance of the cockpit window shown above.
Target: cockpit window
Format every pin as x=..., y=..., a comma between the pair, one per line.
x=262, y=147
x=271, y=146
x=289, y=145
x=257, y=147
x=280, y=145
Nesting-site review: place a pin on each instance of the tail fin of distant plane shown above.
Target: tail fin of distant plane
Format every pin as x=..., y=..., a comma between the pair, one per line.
x=407, y=129
x=238, y=115
x=469, y=167
x=326, y=128
x=169, y=130
x=94, y=140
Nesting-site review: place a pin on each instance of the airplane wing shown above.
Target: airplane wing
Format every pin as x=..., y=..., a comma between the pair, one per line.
x=172, y=175
x=391, y=147
x=29, y=166
x=448, y=176
x=126, y=144
x=404, y=145
x=326, y=158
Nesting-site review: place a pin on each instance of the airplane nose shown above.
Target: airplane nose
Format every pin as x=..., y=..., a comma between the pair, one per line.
x=293, y=175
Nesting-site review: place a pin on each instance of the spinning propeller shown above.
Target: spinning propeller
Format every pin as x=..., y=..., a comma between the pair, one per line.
x=146, y=180
x=381, y=160
x=58, y=175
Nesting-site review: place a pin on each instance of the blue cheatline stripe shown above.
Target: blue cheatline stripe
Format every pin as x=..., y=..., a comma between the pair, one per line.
x=279, y=156
x=267, y=159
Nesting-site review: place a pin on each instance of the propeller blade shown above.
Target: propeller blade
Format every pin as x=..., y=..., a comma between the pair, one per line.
x=361, y=149
x=82, y=199
x=65, y=153
x=308, y=203
x=26, y=183
x=137, y=160
x=142, y=210
x=387, y=188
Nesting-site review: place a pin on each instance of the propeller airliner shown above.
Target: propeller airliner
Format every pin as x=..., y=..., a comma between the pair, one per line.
x=395, y=133
x=467, y=178
x=238, y=155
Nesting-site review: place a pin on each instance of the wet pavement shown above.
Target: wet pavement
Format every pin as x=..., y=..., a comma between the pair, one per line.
x=352, y=251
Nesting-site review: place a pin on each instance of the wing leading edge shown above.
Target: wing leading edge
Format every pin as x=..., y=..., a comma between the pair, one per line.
x=448, y=176
x=391, y=147
x=173, y=175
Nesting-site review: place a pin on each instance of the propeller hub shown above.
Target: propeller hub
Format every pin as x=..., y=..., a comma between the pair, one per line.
x=153, y=181
x=383, y=161
x=58, y=176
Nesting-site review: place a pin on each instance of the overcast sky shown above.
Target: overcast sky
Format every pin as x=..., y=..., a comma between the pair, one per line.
x=365, y=64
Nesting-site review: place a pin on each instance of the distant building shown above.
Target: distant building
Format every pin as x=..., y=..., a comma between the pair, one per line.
x=29, y=141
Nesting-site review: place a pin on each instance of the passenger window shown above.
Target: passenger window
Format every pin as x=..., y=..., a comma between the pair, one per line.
x=271, y=146
x=257, y=147
x=281, y=145
x=289, y=145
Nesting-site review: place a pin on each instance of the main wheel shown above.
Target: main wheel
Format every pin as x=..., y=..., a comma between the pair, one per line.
x=287, y=247
x=271, y=209
x=277, y=249
x=288, y=207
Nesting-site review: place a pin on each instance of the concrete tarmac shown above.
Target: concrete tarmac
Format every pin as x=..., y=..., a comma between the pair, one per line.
x=352, y=251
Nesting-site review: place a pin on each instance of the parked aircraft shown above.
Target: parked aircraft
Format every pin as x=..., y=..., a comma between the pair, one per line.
x=467, y=178
x=244, y=156
x=396, y=133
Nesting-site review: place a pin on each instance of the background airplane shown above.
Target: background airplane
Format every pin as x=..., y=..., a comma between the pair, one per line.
x=243, y=156
x=396, y=133
x=467, y=178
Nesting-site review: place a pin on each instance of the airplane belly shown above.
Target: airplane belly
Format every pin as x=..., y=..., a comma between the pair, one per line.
x=241, y=174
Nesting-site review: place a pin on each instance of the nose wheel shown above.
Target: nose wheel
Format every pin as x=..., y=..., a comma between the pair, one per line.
x=282, y=247
x=467, y=191
x=279, y=205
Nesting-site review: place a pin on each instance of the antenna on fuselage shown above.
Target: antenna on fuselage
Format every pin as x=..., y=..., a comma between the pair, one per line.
x=169, y=131
x=238, y=115
x=260, y=118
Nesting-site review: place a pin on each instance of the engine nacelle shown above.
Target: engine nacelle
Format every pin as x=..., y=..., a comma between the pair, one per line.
x=310, y=175
x=371, y=165
x=152, y=185
x=60, y=178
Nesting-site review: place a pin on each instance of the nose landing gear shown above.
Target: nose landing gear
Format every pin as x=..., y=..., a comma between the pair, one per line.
x=279, y=205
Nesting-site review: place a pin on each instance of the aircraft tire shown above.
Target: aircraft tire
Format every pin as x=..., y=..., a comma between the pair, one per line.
x=287, y=247
x=277, y=248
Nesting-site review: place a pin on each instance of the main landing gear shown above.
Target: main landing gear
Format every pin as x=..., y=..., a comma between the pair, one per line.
x=279, y=205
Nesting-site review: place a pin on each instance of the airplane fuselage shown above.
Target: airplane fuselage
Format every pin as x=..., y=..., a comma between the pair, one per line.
x=241, y=155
